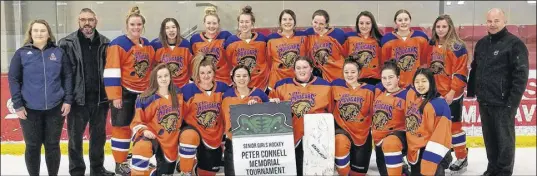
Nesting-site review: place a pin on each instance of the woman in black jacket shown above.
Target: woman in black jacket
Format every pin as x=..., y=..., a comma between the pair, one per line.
x=41, y=90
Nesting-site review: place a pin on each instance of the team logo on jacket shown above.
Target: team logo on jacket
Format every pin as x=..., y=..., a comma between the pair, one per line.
x=141, y=64
x=349, y=108
x=247, y=57
x=174, y=63
x=52, y=57
x=363, y=54
x=207, y=114
x=288, y=53
x=383, y=114
x=412, y=120
x=301, y=103
x=168, y=119
x=437, y=63
x=406, y=57
x=322, y=52
x=211, y=53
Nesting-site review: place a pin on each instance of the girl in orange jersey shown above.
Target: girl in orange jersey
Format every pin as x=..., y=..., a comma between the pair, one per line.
x=353, y=102
x=428, y=129
x=211, y=43
x=406, y=46
x=363, y=45
x=128, y=62
x=284, y=47
x=448, y=60
x=174, y=50
x=202, y=137
x=249, y=48
x=389, y=119
x=308, y=95
x=239, y=94
x=325, y=46
x=159, y=114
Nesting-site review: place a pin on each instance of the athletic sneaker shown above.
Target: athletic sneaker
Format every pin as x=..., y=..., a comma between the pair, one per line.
x=123, y=169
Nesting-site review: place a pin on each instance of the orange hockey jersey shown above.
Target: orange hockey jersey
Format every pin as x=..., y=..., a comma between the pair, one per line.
x=253, y=54
x=327, y=52
x=409, y=53
x=231, y=97
x=203, y=111
x=214, y=48
x=282, y=52
x=155, y=113
x=178, y=59
x=127, y=65
x=353, y=109
x=449, y=67
x=389, y=113
x=430, y=130
x=314, y=97
x=366, y=51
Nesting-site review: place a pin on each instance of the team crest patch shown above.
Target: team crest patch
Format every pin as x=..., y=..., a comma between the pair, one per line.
x=52, y=57
x=169, y=123
x=250, y=62
x=349, y=112
x=322, y=52
x=438, y=67
x=380, y=119
x=301, y=103
x=174, y=63
x=363, y=58
x=288, y=59
x=207, y=114
x=406, y=62
x=141, y=64
x=412, y=124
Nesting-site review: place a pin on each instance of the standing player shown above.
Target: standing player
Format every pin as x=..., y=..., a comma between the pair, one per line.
x=363, y=46
x=158, y=117
x=174, y=50
x=389, y=121
x=428, y=130
x=308, y=95
x=284, y=47
x=211, y=44
x=448, y=61
x=241, y=93
x=202, y=137
x=249, y=48
x=325, y=46
x=128, y=61
x=404, y=45
x=353, y=102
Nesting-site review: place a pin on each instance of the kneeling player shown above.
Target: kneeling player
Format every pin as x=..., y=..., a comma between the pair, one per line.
x=352, y=112
x=156, y=125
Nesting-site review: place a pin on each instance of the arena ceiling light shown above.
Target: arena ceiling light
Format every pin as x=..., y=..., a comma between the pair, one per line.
x=448, y=3
x=460, y=2
x=531, y=2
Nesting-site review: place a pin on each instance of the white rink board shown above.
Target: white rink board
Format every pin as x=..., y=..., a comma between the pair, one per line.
x=319, y=144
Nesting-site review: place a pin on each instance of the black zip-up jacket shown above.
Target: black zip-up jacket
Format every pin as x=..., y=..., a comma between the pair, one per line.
x=499, y=70
x=71, y=45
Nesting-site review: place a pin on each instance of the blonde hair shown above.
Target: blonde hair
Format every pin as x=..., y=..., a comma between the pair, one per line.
x=452, y=38
x=28, y=33
x=198, y=61
x=211, y=11
x=134, y=12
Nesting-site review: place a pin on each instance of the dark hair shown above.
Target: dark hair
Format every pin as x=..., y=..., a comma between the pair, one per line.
x=391, y=65
x=153, y=86
x=286, y=11
x=237, y=68
x=432, y=92
x=375, y=33
x=88, y=10
x=247, y=10
x=350, y=60
x=164, y=38
x=400, y=12
x=323, y=13
x=304, y=58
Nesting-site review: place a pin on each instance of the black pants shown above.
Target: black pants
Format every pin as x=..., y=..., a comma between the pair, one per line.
x=360, y=155
x=77, y=120
x=42, y=128
x=498, y=124
x=229, y=166
x=299, y=157
x=381, y=162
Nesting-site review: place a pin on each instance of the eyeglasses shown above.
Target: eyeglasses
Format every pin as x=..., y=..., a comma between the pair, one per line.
x=83, y=20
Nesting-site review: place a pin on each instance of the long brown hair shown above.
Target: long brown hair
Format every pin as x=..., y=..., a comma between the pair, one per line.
x=375, y=33
x=28, y=34
x=198, y=61
x=153, y=86
x=452, y=38
x=164, y=38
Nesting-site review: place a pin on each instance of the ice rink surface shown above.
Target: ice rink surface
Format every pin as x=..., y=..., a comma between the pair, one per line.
x=525, y=160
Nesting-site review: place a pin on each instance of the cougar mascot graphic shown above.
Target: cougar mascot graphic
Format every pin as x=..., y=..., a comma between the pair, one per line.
x=406, y=62
x=300, y=108
x=207, y=119
x=380, y=119
x=349, y=112
x=288, y=59
x=412, y=124
x=248, y=61
x=169, y=122
x=174, y=69
x=140, y=68
x=321, y=56
x=437, y=67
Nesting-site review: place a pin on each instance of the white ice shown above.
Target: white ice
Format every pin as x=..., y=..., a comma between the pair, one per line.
x=525, y=160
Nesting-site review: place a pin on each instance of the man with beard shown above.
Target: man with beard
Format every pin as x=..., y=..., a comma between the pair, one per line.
x=85, y=49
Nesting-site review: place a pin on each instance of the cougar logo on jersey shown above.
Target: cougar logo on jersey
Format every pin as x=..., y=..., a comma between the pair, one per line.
x=438, y=67
x=212, y=53
x=288, y=53
x=141, y=64
x=207, y=114
x=349, y=108
x=380, y=118
x=175, y=64
x=406, y=57
x=167, y=118
x=322, y=52
x=247, y=57
x=363, y=54
x=301, y=103
x=412, y=124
